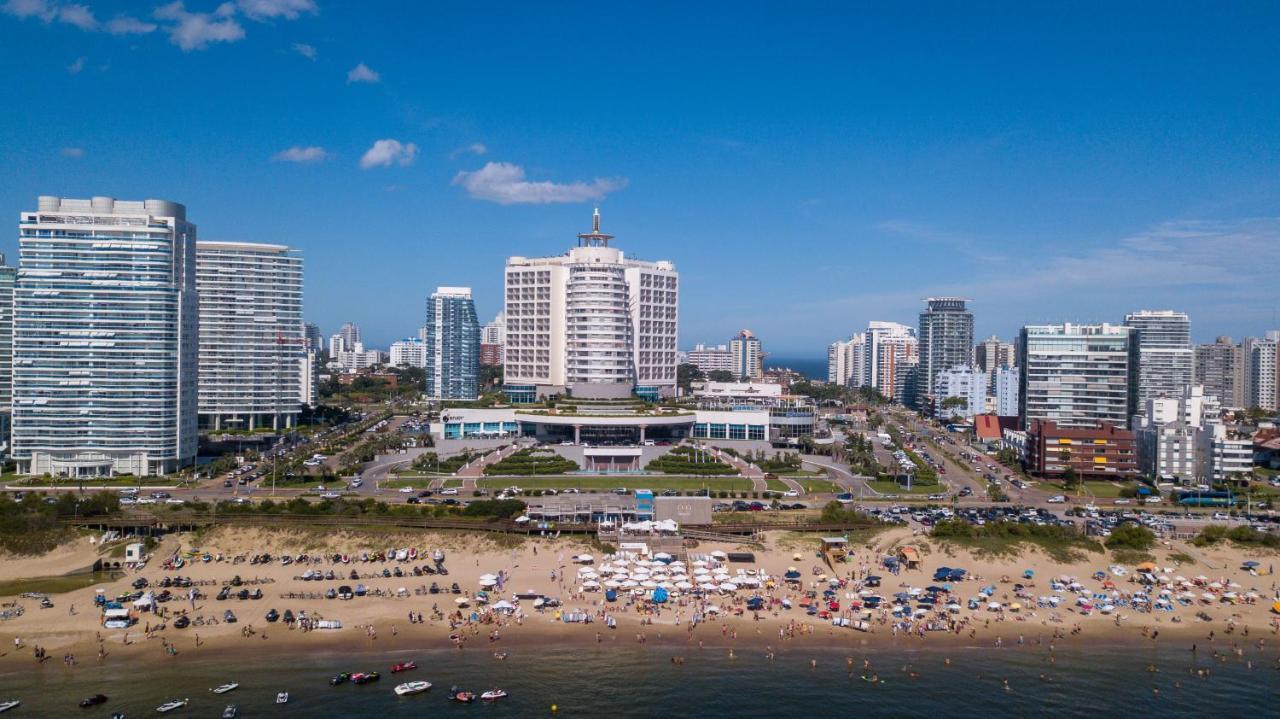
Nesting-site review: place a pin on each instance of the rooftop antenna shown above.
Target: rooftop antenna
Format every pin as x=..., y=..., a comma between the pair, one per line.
x=594, y=238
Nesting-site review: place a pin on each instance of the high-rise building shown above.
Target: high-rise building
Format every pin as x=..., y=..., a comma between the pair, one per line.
x=453, y=345
x=1166, y=432
x=992, y=354
x=408, y=352
x=845, y=361
x=960, y=392
x=1076, y=375
x=710, y=359
x=592, y=322
x=1261, y=383
x=748, y=359
x=1220, y=370
x=492, y=338
x=1166, y=362
x=311, y=333
x=251, y=335
x=345, y=340
x=105, y=332
x=889, y=357
x=356, y=358
x=946, y=341
x=8, y=278
x=1007, y=387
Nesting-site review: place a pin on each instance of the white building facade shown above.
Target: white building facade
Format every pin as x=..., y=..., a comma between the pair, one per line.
x=845, y=361
x=1261, y=359
x=408, y=352
x=748, y=358
x=1006, y=389
x=961, y=383
x=1075, y=375
x=710, y=359
x=591, y=322
x=888, y=354
x=1166, y=359
x=251, y=335
x=105, y=338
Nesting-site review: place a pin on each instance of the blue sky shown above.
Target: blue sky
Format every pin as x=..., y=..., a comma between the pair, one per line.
x=806, y=170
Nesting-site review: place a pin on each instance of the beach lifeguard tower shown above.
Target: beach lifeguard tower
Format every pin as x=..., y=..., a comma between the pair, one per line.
x=834, y=549
x=909, y=556
x=135, y=552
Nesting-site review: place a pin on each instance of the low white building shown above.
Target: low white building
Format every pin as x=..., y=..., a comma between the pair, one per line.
x=960, y=383
x=409, y=352
x=1221, y=456
x=357, y=358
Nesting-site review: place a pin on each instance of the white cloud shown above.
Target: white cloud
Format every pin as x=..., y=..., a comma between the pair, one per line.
x=125, y=25
x=305, y=50
x=362, y=73
x=267, y=9
x=75, y=67
x=23, y=9
x=474, y=148
x=195, y=30
x=384, y=153
x=73, y=152
x=301, y=154
x=504, y=183
x=78, y=15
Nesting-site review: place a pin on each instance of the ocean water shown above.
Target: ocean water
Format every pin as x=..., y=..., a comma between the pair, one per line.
x=626, y=680
x=813, y=368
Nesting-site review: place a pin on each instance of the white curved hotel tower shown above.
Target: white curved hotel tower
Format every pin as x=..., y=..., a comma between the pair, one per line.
x=104, y=378
x=251, y=335
x=591, y=322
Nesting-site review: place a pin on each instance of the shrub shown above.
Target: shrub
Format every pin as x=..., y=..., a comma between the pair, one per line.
x=1131, y=536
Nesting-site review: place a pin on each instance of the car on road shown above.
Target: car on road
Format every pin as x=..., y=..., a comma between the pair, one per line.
x=449, y=492
x=406, y=490
x=1121, y=500
x=413, y=500
x=160, y=495
x=965, y=492
x=937, y=497
x=451, y=502
x=844, y=497
x=1056, y=499
x=330, y=495
x=1152, y=500
x=791, y=493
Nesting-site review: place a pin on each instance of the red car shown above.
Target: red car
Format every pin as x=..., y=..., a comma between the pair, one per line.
x=403, y=667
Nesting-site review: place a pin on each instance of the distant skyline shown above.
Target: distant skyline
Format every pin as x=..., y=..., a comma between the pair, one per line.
x=806, y=171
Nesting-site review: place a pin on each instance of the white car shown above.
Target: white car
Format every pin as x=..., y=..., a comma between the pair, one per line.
x=1121, y=501
x=791, y=493
x=1152, y=500
x=1056, y=499
x=449, y=492
x=330, y=495
x=174, y=500
x=406, y=490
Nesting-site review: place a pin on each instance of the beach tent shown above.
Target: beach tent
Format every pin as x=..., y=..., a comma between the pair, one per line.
x=1146, y=567
x=659, y=595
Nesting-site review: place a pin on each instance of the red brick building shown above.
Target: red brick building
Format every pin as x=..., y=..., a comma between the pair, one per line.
x=1101, y=452
x=490, y=355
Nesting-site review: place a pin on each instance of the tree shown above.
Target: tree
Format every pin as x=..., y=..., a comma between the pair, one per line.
x=1069, y=478
x=491, y=375
x=687, y=374
x=954, y=402
x=722, y=375
x=1131, y=536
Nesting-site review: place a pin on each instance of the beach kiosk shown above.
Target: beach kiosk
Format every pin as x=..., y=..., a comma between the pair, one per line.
x=834, y=549
x=909, y=556
x=135, y=552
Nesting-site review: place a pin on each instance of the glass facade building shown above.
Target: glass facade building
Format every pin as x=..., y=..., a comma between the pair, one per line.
x=453, y=345
x=104, y=346
x=8, y=277
x=251, y=335
x=1076, y=375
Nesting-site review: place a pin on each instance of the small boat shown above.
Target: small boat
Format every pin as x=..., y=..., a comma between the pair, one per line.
x=230, y=711
x=493, y=695
x=402, y=555
x=413, y=553
x=224, y=688
x=458, y=695
x=337, y=679
x=9, y=704
x=94, y=700
x=363, y=678
x=403, y=667
x=409, y=688
x=282, y=698
x=171, y=705
x=499, y=655
x=438, y=555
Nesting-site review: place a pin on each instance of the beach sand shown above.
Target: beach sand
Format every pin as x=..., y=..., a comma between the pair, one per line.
x=382, y=623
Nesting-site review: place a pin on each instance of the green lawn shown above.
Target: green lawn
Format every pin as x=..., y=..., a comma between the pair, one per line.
x=800, y=473
x=608, y=483
x=776, y=485
x=415, y=483
x=820, y=486
x=90, y=485
x=890, y=487
x=1091, y=488
x=451, y=483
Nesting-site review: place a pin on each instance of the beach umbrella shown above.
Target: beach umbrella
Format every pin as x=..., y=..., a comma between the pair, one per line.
x=1215, y=585
x=648, y=584
x=701, y=570
x=663, y=557
x=713, y=609
x=483, y=577
x=488, y=582
x=1146, y=567
x=797, y=557
x=1250, y=564
x=718, y=554
x=584, y=558
x=684, y=586
x=709, y=586
x=993, y=605
x=461, y=601
x=728, y=587
x=1276, y=607
x=699, y=562
x=613, y=584
x=630, y=584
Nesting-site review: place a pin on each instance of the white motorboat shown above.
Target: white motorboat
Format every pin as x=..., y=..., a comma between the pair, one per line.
x=438, y=555
x=401, y=555
x=409, y=688
x=493, y=695
x=230, y=712
x=224, y=688
x=282, y=698
x=10, y=704
x=171, y=705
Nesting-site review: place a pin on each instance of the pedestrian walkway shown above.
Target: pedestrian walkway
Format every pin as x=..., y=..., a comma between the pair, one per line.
x=475, y=470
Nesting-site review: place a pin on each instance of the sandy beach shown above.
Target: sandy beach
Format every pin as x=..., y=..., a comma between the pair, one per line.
x=72, y=628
